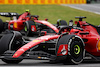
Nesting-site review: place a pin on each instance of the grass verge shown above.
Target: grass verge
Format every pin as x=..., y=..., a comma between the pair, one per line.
x=52, y=12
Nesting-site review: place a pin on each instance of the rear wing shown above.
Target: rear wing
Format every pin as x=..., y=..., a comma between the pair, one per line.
x=5, y=14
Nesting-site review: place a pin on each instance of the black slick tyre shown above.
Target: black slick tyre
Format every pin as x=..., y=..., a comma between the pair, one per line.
x=4, y=42
x=76, y=50
x=1, y=26
x=27, y=28
x=13, y=61
x=12, y=42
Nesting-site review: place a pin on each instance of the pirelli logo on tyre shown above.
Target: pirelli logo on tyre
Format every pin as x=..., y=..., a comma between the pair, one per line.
x=42, y=2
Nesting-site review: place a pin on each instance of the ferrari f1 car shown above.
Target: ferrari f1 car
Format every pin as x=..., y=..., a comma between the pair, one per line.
x=71, y=44
x=24, y=22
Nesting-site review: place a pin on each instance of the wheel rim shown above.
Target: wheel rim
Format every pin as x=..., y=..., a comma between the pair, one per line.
x=25, y=28
x=76, y=49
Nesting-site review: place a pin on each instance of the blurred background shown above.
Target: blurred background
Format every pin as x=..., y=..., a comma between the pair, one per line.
x=52, y=9
x=42, y=1
x=93, y=1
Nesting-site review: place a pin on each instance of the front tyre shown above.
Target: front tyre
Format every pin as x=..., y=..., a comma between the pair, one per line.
x=75, y=48
x=11, y=61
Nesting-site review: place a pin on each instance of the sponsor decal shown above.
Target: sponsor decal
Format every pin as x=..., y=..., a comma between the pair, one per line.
x=15, y=54
x=36, y=40
x=33, y=28
x=63, y=50
x=22, y=50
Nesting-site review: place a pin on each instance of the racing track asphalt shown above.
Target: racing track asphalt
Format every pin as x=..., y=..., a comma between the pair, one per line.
x=42, y=63
x=95, y=8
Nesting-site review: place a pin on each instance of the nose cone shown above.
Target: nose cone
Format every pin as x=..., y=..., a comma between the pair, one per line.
x=18, y=53
x=15, y=56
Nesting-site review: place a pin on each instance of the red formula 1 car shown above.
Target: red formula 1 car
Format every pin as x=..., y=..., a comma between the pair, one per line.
x=72, y=44
x=28, y=24
x=24, y=22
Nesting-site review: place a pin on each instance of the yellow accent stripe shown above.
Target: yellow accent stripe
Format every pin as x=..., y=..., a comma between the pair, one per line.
x=36, y=40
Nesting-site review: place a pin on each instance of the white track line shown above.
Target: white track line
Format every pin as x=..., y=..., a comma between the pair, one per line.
x=82, y=9
x=91, y=6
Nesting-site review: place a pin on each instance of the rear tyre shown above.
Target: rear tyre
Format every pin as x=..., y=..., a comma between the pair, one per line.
x=1, y=26
x=27, y=28
x=5, y=26
x=75, y=48
x=11, y=41
x=4, y=42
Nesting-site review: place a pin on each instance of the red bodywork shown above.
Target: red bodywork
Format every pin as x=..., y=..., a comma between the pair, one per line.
x=48, y=24
x=18, y=24
x=34, y=43
x=91, y=40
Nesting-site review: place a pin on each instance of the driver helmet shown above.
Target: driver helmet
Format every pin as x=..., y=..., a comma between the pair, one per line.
x=27, y=10
x=71, y=23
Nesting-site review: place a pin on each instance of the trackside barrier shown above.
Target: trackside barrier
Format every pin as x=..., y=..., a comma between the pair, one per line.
x=42, y=1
